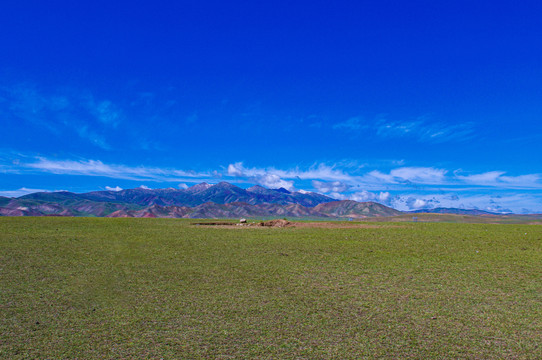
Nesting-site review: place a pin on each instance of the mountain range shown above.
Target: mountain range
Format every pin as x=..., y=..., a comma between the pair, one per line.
x=222, y=200
x=474, y=212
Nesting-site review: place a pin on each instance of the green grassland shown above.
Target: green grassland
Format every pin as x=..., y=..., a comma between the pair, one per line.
x=162, y=288
x=534, y=219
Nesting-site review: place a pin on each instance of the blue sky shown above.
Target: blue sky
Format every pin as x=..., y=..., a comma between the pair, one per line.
x=413, y=104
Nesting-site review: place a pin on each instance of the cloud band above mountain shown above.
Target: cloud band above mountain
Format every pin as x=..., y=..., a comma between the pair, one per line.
x=401, y=187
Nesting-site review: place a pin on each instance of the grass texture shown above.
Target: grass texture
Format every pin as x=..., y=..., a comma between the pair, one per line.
x=162, y=288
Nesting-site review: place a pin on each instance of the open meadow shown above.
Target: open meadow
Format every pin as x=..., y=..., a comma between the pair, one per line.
x=163, y=288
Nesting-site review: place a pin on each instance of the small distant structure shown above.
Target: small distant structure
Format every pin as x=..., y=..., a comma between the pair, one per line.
x=350, y=219
x=242, y=221
x=415, y=219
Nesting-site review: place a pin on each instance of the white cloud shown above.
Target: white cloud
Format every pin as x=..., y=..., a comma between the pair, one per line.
x=419, y=175
x=407, y=184
x=422, y=175
x=328, y=179
x=182, y=186
x=353, y=123
x=384, y=197
x=416, y=204
x=481, y=179
x=397, y=129
x=144, y=187
x=327, y=187
x=338, y=196
x=498, y=179
x=98, y=168
x=363, y=196
x=424, y=130
x=272, y=181
x=237, y=169
x=530, y=180
x=116, y=188
x=421, y=129
x=504, y=203
x=316, y=172
x=266, y=177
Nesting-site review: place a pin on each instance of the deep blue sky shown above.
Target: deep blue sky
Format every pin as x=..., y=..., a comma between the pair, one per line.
x=413, y=104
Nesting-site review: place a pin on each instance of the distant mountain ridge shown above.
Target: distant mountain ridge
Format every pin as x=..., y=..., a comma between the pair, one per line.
x=456, y=211
x=231, y=210
x=222, y=200
x=354, y=209
x=221, y=193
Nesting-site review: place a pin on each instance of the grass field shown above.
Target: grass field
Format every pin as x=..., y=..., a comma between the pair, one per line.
x=161, y=288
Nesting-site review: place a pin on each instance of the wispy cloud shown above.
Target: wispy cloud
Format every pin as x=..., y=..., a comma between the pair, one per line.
x=425, y=131
x=415, y=175
x=115, y=171
x=263, y=177
x=330, y=178
x=504, y=203
x=499, y=179
x=95, y=138
x=315, y=172
x=382, y=197
x=116, y=188
x=402, y=187
x=61, y=113
x=422, y=130
x=23, y=102
x=273, y=182
x=330, y=187
x=323, y=178
x=353, y=123
x=106, y=112
x=19, y=192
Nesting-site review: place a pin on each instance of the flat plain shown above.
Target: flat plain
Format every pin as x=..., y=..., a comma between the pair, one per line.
x=163, y=288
